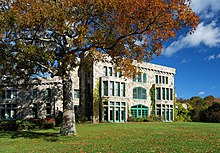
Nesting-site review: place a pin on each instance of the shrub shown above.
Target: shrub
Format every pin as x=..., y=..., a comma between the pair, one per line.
x=8, y=126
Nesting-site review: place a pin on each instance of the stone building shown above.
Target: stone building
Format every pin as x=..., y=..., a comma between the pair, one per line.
x=99, y=92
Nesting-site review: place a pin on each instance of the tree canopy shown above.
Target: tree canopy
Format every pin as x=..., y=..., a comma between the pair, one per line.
x=47, y=36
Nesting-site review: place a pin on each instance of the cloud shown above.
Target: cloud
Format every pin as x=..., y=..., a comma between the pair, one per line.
x=206, y=8
x=207, y=34
x=201, y=93
x=212, y=57
x=185, y=60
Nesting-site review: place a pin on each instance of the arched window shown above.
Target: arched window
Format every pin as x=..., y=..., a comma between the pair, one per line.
x=139, y=93
x=139, y=111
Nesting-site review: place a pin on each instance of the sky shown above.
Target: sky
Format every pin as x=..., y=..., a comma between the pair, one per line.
x=196, y=57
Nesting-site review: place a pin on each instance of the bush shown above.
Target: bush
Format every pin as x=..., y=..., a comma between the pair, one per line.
x=27, y=124
x=8, y=126
x=155, y=118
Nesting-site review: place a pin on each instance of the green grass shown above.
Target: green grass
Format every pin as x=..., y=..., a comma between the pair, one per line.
x=124, y=137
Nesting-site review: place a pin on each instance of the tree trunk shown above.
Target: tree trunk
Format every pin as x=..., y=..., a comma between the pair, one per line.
x=68, y=123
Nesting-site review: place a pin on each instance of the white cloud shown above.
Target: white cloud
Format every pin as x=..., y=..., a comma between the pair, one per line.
x=185, y=60
x=208, y=35
x=212, y=57
x=201, y=93
x=206, y=8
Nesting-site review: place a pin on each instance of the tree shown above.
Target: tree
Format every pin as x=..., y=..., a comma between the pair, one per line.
x=49, y=35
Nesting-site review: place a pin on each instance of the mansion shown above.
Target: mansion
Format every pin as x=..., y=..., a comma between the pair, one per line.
x=99, y=93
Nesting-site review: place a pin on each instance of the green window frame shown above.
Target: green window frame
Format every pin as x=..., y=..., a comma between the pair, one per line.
x=139, y=93
x=139, y=111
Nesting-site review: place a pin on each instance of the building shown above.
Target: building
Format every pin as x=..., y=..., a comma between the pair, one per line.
x=100, y=93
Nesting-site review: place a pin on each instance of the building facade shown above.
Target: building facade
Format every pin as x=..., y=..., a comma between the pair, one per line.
x=99, y=92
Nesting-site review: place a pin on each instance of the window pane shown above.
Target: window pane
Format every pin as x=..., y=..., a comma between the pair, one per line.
x=117, y=89
x=134, y=77
x=111, y=88
x=135, y=93
x=35, y=93
x=163, y=79
x=166, y=80
x=167, y=89
x=8, y=94
x=144, y=78
x=105, y=71
x=123, y=89
x=76, y=93
x=159, y=79
x=156, y=77
x=105, y=88
x=48, y=92
x=158, y=94
x=171, y=94
x=139, y=77
x=110, y=71
x=163, y=93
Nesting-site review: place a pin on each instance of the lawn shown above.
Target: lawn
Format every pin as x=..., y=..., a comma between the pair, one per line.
x=118, y=137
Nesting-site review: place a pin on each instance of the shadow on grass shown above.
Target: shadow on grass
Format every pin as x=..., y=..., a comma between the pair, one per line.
x=47, y=136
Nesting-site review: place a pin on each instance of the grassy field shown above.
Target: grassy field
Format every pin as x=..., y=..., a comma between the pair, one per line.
x=121, y=137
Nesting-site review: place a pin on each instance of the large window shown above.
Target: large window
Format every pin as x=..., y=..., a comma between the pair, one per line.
x=165, y=111
x=115, y=111
x=139, y=111
x=139, y=93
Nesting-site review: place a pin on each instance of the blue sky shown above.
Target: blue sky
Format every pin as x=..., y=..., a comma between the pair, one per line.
x=196, y=57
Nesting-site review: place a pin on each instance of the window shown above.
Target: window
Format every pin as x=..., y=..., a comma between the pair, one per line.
x=110, y=71
x=8, y=111
x=139, y=77
x=48, y=92
x=111, y=88
x=105, y=71
x=134, y=77
x=123, y=89
x=116, y=72
x=156, y=79
x=163, y=79
x=160, y=79
x=117, y=89
x=139, y=93
x=163, y=93
x=35, y=92
x=76, y=93
x=139, y=111
x=9, y=94
x=166, y=80
x=167, y=97
x=105, y=88
x=158, y=94
x=144, y=78
x=171, y=94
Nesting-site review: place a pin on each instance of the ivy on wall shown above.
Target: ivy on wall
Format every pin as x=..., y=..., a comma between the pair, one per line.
x=152, y=95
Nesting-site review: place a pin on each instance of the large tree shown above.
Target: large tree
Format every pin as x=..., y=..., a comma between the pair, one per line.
x=47, y=36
